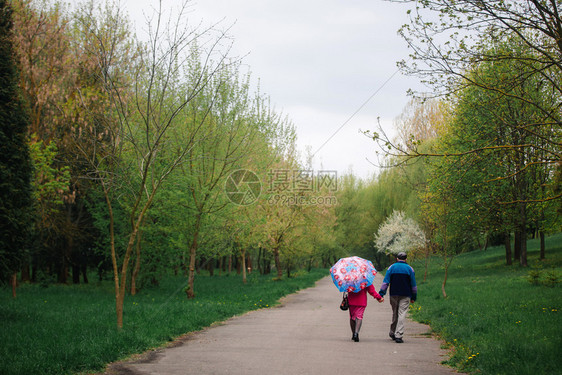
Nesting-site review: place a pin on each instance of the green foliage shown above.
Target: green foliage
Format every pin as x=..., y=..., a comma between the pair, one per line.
x=552, y=278
x=495, y=321
x=50, y=182
x=71, y=329
x=547, y=278
x=534, y=277
x=364, y=205
x=154, y=129
x=492, y=166
x=487, y=180
x=15, y=162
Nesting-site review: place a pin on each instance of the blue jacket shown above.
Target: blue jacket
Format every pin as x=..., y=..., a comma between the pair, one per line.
x=402, y=280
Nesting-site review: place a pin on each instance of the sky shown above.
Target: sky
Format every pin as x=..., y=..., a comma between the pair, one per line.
x=328, y=65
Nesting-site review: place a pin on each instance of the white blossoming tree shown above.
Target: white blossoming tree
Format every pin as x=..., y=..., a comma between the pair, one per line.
x=399, y=233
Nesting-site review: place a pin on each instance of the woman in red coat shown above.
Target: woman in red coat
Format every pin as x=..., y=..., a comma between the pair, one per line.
x=357, y=304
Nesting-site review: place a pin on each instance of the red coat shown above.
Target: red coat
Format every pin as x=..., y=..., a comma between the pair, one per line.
x=360, y=298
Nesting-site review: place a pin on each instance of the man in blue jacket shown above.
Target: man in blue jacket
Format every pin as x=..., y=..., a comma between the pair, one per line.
x=403, y=290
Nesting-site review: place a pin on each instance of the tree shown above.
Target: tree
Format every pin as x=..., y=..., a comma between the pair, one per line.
x=149, y=89
x=446, y=58
x=47, y=73
x=438, y=211
x=42, y=49
x=422, y=120
x=502, y=183
x=363, y=205
x=15, y=161
x=280, y=214
x=399, y=233
x=259, y=223
x=50, y=185
x=421, y=124
x=449, y=38
x=353, y=225
x=231, y=135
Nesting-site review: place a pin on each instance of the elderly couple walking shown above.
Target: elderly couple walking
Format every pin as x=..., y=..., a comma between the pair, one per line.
x=403, y=291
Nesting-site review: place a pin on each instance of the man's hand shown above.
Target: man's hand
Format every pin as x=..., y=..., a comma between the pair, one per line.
x=381, y=300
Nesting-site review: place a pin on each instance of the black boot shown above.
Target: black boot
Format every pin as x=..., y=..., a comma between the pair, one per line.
x=352, y=324
x=357, y=328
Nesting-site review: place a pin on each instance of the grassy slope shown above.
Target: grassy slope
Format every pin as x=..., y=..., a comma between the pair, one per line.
x=69, y=329
x=496, y=321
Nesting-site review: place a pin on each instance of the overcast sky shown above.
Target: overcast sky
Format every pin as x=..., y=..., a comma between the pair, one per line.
x=319, y=61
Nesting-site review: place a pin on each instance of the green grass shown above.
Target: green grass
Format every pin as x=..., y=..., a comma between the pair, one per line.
x=497, y=319
x=72, y=329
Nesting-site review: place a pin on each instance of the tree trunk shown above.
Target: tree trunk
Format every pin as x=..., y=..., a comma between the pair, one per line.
x=25, y=274
x=34, y=271
x=191, y=278
x=517, y=246
x=277, y=263
x=543, y=245
x=523, y=232
x=243, y=257
x=136, y=270
x=192, y=255
x=76, y=259
x=14, y=282
x=211, y=266
x=507, y=243
x=426, y=262
x=84, y=270
x=447, y=264
x=445, y=282
x=76, y=273
x=62, y=268
x=124, y=267
x=266, y=263
x=118, y=310
x=120, y=286
x=184, y=266
x=523, y=259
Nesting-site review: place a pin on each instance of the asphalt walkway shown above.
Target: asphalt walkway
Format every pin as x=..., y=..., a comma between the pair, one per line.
x=306, y=334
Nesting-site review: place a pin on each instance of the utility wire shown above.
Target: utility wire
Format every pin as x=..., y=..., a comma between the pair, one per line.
x=357, y=111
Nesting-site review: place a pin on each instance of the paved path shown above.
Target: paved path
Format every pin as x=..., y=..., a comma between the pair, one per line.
x=306, y=334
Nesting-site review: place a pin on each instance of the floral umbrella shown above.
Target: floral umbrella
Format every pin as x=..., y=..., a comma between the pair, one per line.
x=353, y=274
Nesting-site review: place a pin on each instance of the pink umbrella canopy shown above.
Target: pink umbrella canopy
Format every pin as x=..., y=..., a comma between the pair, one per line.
x=353, y=274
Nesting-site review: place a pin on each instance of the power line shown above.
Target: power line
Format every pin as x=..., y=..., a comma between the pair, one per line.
x=356, y=111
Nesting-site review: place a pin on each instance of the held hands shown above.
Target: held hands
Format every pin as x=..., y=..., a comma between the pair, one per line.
x=381, y=300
